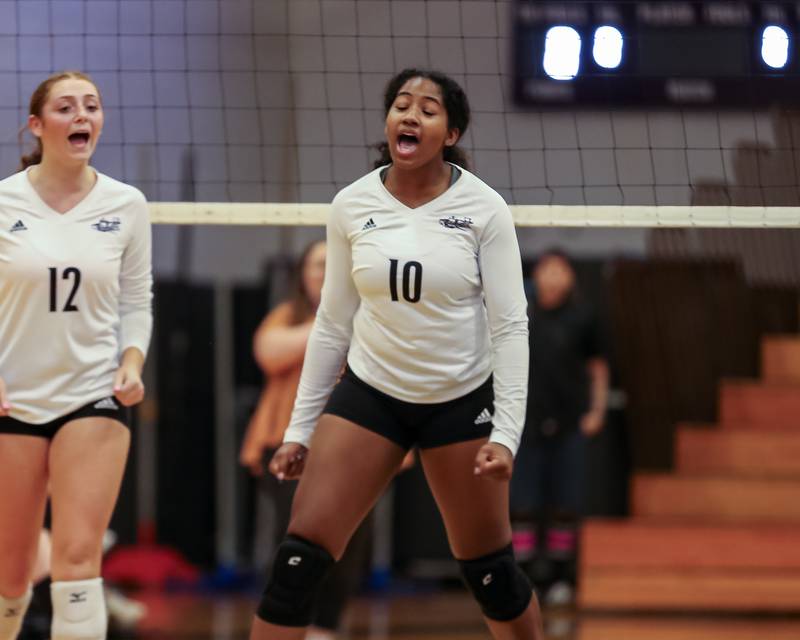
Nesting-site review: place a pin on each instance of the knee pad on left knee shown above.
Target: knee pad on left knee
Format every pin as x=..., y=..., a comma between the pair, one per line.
x=79, y=610
x=498, y=584
x=297, y=572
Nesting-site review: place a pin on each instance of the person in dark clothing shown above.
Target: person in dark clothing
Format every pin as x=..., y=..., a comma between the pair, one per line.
x=566, y=407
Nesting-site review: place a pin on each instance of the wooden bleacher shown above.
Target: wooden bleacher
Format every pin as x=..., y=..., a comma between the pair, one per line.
x=722, y=532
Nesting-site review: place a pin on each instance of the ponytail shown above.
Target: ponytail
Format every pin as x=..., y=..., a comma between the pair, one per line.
x=32, y=158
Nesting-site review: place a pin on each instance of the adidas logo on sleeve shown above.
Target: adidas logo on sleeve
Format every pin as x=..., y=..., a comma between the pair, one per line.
x=370, y=224
x=19, y=225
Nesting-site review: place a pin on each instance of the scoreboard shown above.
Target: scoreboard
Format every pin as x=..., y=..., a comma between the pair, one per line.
x=631, y=52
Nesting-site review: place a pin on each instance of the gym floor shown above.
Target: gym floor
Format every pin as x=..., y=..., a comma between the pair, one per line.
x=449, y=615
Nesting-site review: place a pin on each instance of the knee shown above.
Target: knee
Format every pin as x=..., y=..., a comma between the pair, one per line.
x=498, y=584
x=15, y=580
x=16, y=568
x=297, y=572
x=76, y=559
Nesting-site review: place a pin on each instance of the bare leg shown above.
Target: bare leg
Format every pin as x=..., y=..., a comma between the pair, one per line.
x=41, y=569
x=23, y=474
x=347, y=470
x=87, y=461
x=476, y=514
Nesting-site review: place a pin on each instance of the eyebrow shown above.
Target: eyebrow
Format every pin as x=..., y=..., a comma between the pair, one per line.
x=408, y=93
x=71, y=97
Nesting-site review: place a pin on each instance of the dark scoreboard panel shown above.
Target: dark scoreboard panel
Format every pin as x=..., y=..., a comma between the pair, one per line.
x=710, y=53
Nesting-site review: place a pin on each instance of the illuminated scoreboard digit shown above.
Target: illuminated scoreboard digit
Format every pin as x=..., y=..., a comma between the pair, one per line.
x=630, y=52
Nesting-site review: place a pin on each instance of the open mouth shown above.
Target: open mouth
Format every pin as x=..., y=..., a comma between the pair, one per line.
x=79, y=139
x=407, y=143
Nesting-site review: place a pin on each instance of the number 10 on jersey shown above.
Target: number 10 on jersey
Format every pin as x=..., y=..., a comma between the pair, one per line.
x=411, y=290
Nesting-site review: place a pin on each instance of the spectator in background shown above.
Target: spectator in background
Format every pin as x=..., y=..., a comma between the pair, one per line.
x=279, y=347
x=566, y=407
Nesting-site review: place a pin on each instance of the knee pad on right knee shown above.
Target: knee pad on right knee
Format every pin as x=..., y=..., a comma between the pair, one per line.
x=498, y=584
x=297, y=572
x=12, y=613
x=79, y=610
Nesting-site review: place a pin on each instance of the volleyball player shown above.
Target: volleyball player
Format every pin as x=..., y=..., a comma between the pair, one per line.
x=75, y=323
x=423, y=297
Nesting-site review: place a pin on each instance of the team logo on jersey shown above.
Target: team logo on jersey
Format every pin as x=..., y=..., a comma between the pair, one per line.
x=107, y=225
x=369, y=224
x=483, y=417
x=456, y=222
x=19, y=225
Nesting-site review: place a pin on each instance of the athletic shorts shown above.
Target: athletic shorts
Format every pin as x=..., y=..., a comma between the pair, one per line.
x=103, y=408
x=409, y=424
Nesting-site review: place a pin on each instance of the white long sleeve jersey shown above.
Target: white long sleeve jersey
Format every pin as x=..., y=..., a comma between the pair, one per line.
x=75, y=292
x=428, y=301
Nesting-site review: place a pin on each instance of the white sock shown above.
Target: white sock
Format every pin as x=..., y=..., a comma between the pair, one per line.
x=12, y=613
x=79, y=610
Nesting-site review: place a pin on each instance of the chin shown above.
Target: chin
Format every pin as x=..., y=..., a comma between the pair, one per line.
x=410, y=163
x=81, y=156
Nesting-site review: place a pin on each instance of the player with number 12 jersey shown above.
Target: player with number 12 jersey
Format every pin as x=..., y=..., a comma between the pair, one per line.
x=75, y=293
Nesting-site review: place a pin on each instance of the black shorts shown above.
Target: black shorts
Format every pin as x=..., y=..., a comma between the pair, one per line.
x=103, y=408
x=409, y=424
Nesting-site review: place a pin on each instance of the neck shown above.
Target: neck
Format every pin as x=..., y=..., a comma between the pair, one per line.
x=419, y=181
x=552, y=302
x=52, y=175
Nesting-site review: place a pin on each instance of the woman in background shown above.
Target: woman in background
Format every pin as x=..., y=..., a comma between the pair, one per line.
x=279, y=346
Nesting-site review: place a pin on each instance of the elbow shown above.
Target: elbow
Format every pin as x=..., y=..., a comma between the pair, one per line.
x=263, y=350
x=267, y=360
x=514, y=329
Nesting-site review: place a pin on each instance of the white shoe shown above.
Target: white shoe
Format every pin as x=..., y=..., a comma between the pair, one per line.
x=109, y=540
x=122, y=611
x=560, y=628
x=560, y=594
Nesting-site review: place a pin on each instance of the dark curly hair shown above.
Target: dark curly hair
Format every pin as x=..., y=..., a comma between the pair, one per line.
x=455, y=103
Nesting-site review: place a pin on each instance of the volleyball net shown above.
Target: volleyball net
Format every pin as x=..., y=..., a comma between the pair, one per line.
x=279, y=101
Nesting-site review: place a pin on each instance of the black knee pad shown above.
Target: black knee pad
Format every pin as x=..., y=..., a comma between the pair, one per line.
x=498, y=584
x=298, y=569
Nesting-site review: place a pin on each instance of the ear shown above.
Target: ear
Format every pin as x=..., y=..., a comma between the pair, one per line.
x=452, y=137
x=35, y=125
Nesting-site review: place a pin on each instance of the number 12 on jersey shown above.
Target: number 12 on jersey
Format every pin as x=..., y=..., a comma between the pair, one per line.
x=410, y=293
x=69, y=273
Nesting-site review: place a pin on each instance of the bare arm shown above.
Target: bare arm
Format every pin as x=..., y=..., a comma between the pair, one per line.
x=593, y=421
x=277, y=348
